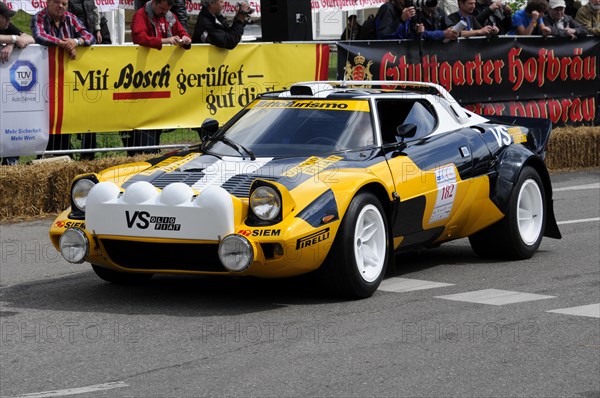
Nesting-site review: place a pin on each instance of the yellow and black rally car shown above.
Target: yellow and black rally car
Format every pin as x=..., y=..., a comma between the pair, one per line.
x=329, y=176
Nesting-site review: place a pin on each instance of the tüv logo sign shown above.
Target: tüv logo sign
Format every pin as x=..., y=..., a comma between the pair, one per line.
x=23, y=75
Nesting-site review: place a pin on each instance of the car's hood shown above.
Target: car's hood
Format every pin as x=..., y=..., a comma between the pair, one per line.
x=235, y=174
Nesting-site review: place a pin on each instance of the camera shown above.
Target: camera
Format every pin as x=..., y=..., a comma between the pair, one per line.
x=421, y=3
x=240, y=11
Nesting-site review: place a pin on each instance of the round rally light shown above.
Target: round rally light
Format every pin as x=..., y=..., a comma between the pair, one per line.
x=265, y=203
x=236, y=253
x=80, y=192
x=74, y=245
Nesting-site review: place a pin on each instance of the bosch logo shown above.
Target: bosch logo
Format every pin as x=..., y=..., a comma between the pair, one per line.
x=23, y=75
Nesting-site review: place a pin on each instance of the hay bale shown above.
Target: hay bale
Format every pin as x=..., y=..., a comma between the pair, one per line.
x=38, y=190
x=574, y=148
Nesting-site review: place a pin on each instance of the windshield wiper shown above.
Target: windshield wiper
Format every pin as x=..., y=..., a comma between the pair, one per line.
x=236, y=146
x=203, y=149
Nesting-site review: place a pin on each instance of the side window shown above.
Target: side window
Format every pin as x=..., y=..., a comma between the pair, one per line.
x=422, y=118
x=393, y=113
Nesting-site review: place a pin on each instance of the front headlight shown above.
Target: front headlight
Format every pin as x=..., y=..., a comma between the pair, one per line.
x=265, y=203
x=80, y=192
x=74, y=245
x=236, y=253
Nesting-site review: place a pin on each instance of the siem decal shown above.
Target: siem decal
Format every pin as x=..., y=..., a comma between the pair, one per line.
x=312, y=239
x=145, y=219
x=260, y=232
x=70, y=224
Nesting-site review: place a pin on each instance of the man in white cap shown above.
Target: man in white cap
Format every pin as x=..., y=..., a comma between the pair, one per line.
x=589, y=16
x=561, y=24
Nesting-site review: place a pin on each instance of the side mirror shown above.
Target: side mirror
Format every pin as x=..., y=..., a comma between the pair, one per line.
x=209, y=128
x=406, y=131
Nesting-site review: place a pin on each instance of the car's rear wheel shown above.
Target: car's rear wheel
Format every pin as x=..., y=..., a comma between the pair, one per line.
x=118, y=277
x=519, y=234
x=357, y=260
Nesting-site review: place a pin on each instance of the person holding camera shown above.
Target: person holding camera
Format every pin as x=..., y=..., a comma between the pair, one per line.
x=472, y=27
x=494, y=13
x=431, y=23
x=213, y=28
x=393, y=20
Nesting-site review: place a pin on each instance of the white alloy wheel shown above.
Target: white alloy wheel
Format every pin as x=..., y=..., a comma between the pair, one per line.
x=370, y=243
x=530, y=212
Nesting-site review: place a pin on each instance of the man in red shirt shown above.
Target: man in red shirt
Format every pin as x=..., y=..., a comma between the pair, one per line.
x=154, y=25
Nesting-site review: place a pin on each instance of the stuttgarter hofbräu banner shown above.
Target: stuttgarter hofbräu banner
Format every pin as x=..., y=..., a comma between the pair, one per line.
x=194, y=6
x=113, y=88
x=552, y=78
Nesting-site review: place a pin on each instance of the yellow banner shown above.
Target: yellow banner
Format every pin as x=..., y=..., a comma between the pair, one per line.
x=114, y=88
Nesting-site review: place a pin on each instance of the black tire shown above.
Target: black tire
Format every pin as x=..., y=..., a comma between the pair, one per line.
x=510, y=238
x=357, y=261
x=121, y=278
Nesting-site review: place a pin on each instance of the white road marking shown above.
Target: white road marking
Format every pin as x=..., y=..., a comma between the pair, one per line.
x=578, y=221
x=578, y=187
x=407, y=285
x=591, y=310
x=73, y=391
x=494, y=297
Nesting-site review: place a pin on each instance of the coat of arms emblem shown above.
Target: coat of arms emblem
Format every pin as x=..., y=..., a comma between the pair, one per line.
x=359, y=71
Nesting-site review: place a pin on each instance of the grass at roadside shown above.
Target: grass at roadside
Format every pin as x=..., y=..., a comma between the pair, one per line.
x=22, y=20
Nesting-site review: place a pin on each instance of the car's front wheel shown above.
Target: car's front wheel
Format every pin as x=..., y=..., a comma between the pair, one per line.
x=118, y=277
x=519, y=234
x=357, y=261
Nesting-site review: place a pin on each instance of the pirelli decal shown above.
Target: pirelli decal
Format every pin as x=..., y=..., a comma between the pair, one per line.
x=312, y=239
x=359, y=106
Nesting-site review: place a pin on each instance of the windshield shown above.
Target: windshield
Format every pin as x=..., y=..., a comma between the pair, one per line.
x=286, y=127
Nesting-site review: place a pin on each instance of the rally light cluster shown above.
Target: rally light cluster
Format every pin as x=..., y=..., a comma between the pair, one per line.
x=236, y=252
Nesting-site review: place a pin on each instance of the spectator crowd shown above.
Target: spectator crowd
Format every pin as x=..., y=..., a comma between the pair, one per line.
x=69, y=24
x=430, y=20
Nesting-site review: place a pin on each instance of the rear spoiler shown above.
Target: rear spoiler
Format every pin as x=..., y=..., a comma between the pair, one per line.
x=539, y=130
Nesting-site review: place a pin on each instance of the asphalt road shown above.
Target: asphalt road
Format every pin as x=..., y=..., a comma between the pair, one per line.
x=445, y=323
